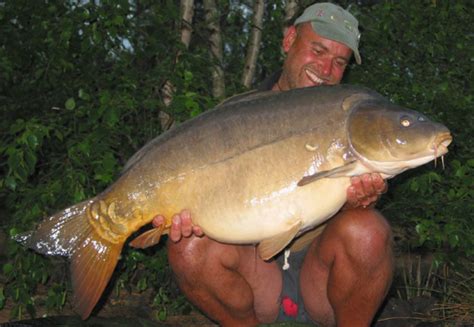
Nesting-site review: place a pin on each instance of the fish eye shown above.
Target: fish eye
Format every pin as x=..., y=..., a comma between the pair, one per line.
x=405, y=122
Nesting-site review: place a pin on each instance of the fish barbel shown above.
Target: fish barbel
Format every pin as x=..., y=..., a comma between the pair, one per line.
x=261, y=169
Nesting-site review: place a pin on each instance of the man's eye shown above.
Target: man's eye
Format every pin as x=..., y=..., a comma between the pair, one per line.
x=317, y=51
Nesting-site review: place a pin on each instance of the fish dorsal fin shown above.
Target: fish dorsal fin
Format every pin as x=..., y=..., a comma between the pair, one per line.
x=340, y=171
x=147, y=239
x=271, y=246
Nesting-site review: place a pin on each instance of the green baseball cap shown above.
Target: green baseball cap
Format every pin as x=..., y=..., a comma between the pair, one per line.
x=334, y=23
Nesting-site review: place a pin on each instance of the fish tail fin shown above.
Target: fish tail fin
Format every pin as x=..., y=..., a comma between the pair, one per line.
x=91, y=269
x=93, y=258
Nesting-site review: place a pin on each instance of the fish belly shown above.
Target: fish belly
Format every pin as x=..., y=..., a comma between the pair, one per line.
x=255, y=196
x=271, y=214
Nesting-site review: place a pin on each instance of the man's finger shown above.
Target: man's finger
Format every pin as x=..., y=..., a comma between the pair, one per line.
x=380, y=185
x=352, y=198
x=198, y=231
x=186, y=225
x=357, y=185
x=175, y=231
x=185, y=214
x=158, y=221
x=367, y=186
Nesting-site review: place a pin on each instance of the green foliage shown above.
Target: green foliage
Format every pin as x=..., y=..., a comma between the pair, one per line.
x=439, y=206
x=80, y=93
x=23, y=275
x=423, y=66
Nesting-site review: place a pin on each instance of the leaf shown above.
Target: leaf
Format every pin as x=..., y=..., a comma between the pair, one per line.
x=83, y=95
x=32, y=141
x=142, y=284
x=118, y=20
x=30, y=160
x=10, y=182
x=414, y=186
x=70, y=104
x=7, y=268
x=111, y=117
x=13, y=232
x=162, y=314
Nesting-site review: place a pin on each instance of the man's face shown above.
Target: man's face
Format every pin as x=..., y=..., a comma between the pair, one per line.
x=312, y=59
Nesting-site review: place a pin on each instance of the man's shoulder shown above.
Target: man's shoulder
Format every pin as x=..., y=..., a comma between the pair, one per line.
x=269, y=82
x=261, y=90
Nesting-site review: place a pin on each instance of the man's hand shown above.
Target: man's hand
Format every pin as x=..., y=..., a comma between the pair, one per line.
x=365, y=190
x=181, y=226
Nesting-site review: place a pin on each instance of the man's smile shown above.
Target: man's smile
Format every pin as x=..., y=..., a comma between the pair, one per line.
x=313, y=77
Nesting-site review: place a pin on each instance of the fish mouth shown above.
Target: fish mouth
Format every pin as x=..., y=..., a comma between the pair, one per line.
x=440, y=147
x=440, y=144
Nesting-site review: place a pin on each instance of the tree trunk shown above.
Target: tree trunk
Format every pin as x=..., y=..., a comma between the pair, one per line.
x=187, y=12
x=168, y=89
x=290, y=10
x=215, y=48
x=254, y=44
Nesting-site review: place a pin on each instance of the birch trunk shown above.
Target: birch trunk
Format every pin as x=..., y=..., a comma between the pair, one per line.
x=254, y=44
x=187, y=13
x=168, y=89
x=215, y=48
x=290, y=10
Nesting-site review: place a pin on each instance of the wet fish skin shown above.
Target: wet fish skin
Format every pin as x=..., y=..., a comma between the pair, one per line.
x=260, y=169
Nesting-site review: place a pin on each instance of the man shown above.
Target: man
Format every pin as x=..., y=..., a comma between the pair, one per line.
x=343, y=275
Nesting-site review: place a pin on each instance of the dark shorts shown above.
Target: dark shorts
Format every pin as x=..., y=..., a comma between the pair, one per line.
x=291, y=302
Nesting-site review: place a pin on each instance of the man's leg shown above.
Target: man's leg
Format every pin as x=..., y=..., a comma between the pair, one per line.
x=229, y=283
x=348, y=269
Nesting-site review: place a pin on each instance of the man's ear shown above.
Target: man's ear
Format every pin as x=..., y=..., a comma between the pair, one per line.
x=289, y=38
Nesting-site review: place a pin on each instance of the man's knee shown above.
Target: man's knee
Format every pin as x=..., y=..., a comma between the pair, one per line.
x=186, y=257
x=364, y=234
x=197, y=257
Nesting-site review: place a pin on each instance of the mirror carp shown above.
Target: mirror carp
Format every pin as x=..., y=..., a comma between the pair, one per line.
x=259, y=169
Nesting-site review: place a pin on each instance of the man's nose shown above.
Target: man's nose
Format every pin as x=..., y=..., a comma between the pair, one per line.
x=326, y=67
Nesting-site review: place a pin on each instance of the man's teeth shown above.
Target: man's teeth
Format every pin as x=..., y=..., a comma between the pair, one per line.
x=315, y=79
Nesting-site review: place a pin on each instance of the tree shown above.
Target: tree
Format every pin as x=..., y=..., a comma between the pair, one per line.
x=254, y=44
x=291, y=9
x=215, y=48
x=187, y=12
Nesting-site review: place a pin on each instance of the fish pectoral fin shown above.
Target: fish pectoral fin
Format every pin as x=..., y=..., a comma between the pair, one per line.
x=149, y=238
x=340, y=171
x=271, y=246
